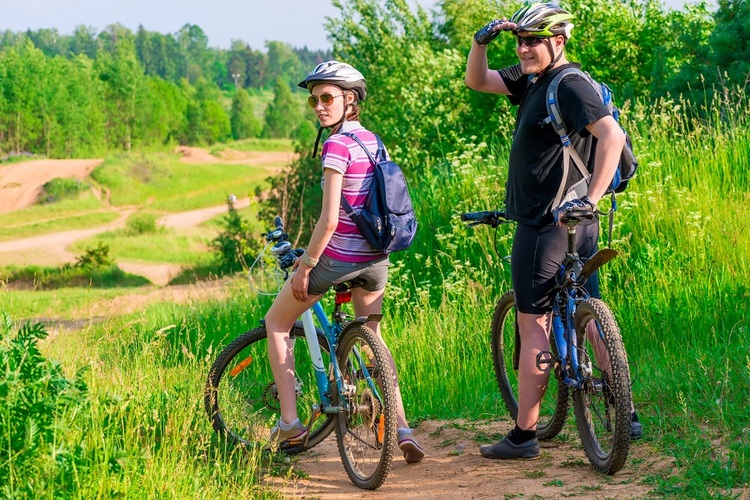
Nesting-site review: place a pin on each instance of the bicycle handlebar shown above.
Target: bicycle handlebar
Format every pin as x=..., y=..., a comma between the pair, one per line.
x=492, y=218
x=577, y=215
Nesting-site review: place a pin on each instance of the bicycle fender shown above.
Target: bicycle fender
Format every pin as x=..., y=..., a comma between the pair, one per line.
x=598, y=260
x=361, y=320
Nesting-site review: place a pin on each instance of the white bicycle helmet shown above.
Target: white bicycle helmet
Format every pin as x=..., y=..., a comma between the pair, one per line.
x=543, y=20
x=337, y=73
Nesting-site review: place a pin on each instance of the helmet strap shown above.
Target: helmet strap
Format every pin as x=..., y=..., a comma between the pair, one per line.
x=552, y=55
x=317, y=141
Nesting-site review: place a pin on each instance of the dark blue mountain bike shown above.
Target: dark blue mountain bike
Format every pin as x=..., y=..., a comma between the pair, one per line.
x=586, y=354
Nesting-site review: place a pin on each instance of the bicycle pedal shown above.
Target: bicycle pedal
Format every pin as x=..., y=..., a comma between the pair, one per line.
x=545, y=361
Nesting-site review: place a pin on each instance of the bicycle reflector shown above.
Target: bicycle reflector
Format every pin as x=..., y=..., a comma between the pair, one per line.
x=241, y=366
x=343, y=297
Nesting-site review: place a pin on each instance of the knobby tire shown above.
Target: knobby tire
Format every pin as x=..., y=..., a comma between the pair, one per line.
x=366, y=428
x=602, y=406
x=554, y=406
x=240, y=392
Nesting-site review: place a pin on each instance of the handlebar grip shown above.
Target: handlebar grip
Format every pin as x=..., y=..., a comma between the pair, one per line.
x=476, y=216
x=278, y=222
x=492, y=217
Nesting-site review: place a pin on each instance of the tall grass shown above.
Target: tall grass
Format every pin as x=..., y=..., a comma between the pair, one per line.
x=679, y=291
x=144, y=433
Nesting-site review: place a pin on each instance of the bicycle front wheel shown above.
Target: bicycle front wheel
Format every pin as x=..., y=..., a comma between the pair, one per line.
x=505, y=351
x=241, y=398
x=366, y=427
x=602, y=405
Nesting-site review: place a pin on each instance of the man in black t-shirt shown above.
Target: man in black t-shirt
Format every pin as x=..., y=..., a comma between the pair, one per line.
x=534, y=177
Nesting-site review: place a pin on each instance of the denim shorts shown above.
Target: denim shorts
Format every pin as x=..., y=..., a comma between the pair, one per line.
x=330, y=272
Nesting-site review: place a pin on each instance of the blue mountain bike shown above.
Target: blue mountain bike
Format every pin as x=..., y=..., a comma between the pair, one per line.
x=586, y=355
x=343, y=381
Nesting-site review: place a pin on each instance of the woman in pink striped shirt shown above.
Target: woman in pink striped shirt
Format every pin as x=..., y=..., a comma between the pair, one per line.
x=337, y=252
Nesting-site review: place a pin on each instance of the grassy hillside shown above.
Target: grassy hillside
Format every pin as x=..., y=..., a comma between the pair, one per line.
x=678, y=289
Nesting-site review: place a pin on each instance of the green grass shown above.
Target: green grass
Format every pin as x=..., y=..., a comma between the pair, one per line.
x=161, y=182
x=162, y=247
x=81, y=213
x=144, y=433
x=678, y=289
x=64, y=303
x=256, y=144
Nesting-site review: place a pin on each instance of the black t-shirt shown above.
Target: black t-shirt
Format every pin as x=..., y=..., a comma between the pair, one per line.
x=536, y=155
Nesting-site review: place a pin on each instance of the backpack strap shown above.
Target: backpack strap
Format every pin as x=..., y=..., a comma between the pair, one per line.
x=554, y=117
x=380, y=153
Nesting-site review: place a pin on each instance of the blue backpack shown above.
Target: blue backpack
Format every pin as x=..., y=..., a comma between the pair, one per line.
x=387, y=219
x=628, y=164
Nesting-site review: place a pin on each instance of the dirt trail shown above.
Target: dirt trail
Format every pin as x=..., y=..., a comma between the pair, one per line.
x=21, y=183
x=453, y=468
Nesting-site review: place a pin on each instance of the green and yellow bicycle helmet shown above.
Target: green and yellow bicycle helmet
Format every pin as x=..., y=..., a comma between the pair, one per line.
x=543, y=20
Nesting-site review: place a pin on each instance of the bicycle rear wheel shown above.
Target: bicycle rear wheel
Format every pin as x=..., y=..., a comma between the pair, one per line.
x=241, y=398
x=602, y=406
x=505, y=348
x=366, y=427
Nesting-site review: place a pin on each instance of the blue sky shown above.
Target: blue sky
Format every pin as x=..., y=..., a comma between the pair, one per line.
x=297, y=22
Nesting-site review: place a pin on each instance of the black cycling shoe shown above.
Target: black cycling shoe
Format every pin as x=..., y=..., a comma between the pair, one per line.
x=506, y=449
x=636, y=429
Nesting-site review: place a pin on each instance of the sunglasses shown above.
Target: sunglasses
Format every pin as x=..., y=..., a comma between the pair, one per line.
x=529, y=41
x=326, y=99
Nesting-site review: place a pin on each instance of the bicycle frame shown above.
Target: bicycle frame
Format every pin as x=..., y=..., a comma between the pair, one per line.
x=332, y=331
x=570, y=291
x=285, y=256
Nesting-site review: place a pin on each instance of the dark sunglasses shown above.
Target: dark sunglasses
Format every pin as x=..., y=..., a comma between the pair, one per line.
x=326, y=99
x=529, y=41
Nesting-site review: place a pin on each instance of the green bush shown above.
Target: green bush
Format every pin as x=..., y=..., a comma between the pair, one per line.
x=59, y=189
x=94, y=258
x=36, y=403
x=234, y=246
x=141, y=223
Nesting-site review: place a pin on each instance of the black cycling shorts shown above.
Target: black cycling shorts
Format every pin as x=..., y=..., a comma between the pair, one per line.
x=535, y=260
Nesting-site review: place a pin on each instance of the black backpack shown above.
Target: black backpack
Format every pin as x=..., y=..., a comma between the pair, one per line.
x=387, y=219
x=628, y=164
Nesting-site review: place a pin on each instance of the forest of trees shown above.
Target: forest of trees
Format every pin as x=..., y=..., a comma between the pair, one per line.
x=84, y=93
x=87, y=93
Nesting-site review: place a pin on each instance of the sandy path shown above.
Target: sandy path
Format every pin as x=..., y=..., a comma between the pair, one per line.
x=51, y=249
x=21, y=183
x=192, y=218
x=453, y=468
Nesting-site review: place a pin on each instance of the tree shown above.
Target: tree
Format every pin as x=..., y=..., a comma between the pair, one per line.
x=417, y=100
x=161, y=113
x=283, y=113
x=731, y=42
x=283, y=63
x=123, y=77
x=244, y=122
x=20, y=123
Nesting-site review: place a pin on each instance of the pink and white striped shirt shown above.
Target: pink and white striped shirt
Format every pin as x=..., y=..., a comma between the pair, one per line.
x=343, y=155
